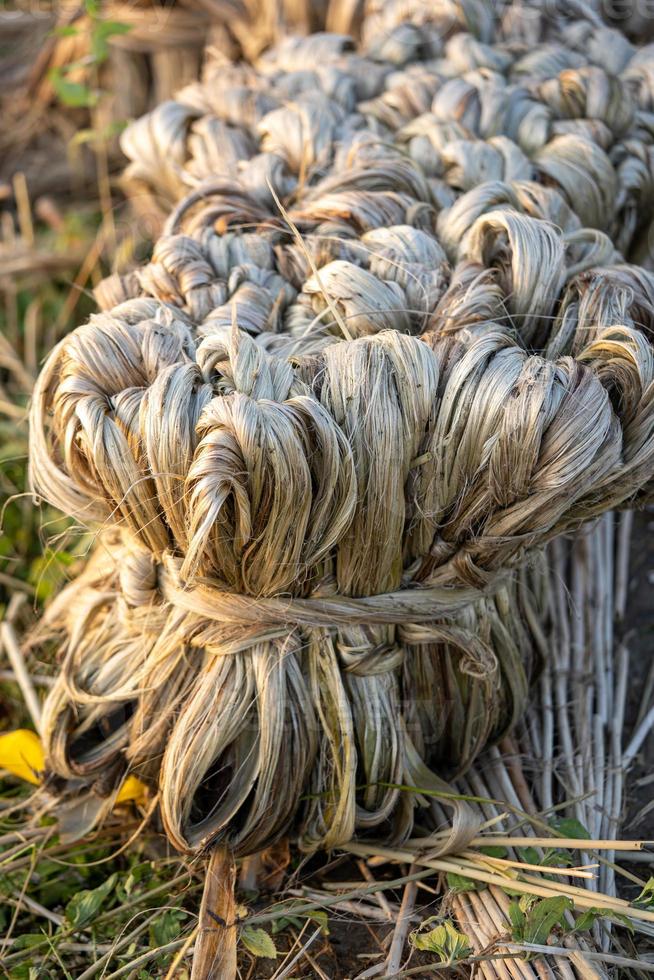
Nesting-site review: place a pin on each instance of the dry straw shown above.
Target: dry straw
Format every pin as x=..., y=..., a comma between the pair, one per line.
x=320, y=577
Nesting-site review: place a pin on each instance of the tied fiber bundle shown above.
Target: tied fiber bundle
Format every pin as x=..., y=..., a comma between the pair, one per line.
x=289, y=539
x=326, y=467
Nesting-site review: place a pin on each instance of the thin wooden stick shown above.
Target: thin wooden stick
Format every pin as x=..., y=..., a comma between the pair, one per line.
x=215, y=947
x=569, y=843
x=39, y=679
x=394, y=959
x=638, y=737
x=597, y=957
x=526, y=884
x=380, y=898
x=180, y=954
x=298, y=956
x=23, y=679
x=499, y=863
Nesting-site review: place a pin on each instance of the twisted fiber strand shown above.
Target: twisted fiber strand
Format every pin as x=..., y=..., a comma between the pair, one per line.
x=304, y=593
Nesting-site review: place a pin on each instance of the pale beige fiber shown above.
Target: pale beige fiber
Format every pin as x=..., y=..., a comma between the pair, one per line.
x=394, y=339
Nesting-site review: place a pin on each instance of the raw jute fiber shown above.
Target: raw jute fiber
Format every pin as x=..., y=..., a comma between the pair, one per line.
x=389, y=346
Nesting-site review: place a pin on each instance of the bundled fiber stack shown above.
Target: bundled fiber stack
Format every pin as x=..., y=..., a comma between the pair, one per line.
x=392, y=342
x=129, y=55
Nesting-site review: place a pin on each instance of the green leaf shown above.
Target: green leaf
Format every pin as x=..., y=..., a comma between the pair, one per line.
x=48, y=572
x=587, y=919
x=526, y=902
x=460, y=883
x=529, y=855
x=27, y=940
x=86, y=904
x=23, y=971
x=65, y=30
x=322, y=919
x=73, y=94
x=543, y=917
x=494, y=851
x=128, y=881
x=284, y=921
x=166, y=927
x=258, y=942
x=646, y=898
x=517, y=918
x=100, y=35
x=569, y=827
x=445, y=941
x=297, y=921
x=556, y=858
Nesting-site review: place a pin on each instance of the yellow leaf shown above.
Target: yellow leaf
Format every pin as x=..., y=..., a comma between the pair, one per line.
x=132, y=789
x=21, y=754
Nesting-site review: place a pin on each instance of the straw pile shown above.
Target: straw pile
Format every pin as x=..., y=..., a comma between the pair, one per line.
x=391, y=343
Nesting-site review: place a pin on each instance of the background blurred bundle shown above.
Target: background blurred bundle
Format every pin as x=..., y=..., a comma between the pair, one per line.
x=71, y=70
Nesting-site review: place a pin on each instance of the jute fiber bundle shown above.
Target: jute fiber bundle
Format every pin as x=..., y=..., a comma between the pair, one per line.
x=131, y=54
x=387, y=348
x=452, y=97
